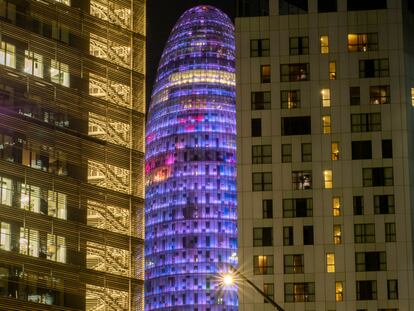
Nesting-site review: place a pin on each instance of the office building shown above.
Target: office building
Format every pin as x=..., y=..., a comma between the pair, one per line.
x=72, y=116
x=325, y=150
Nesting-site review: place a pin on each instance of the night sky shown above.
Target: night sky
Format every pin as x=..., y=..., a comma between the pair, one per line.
x=161, y=17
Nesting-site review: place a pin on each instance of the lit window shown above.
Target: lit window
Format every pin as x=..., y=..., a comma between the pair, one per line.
x=5, y=236
x=56, y=248
x=362, y=42
x=326, y=97
x=337, y=234
x=66, y=2
x=59, y=73
x=324, y=44
x=379, y=94
x=29, y=242
x=335, y=151
x=56, y=204
x=290, y=99
x=412, y=96
x=327, y=177
x=263, y=264
x=336, y=206
x=339, y=291
x=30, y=198
x=332, y=70
x=330, y=262
x=33, y=63
x=6, y=191
x=7, y=54
x=326, y=124
x=265, y=74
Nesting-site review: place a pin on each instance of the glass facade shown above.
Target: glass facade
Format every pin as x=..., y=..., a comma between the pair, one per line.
x=191, y=205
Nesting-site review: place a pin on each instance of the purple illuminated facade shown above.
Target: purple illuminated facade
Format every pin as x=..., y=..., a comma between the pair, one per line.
x=191, y=205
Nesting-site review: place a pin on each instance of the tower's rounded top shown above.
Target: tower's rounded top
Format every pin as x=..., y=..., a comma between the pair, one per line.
x=201, y=12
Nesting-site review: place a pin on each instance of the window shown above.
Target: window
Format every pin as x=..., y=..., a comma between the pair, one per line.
x=287, y=236
x=361, y=149
x=324, y=44
x=294, y=72
x=336, y=206
x=296, y=126
x=246, y=8
x=297, y=208
x=384, y=204
x=374, y=68
x=263, y=236
x=59, y=73
x=327, y=177
x=290, y=99
x=370, y=261
x=330, y=262
x=30, y=198
x=390, y=233
x=261, y=154
x=260, y=100
x=362, y=42
x=259, y=47
x=366, y=290
x=364, y=233
x=56, y=204
x=377, y=177
x=392, y=289
x=265, y=73
x=386, y=145
x=262, y=181
x=263, y=264
x=332, y=70
x=29, y=242
x=290, y=7
x=339, y=291
x=299, y=45
x=358, y=5
x=335, y=151
x=301, y=180
x=325, y=6
x=6, y=192
x=56, y=248
x=293, y=264
x=326, y=97
x=8, y=11
x=286, y=153
x=33, y=63
x=412, y=91
x=306, y=152
x=379, y=94
x=358, y=204
x=5, y=236
x=269, y=290
x=7, y=54
x=307, y=235
x=299, y=292
x=365, y=122
x=337, y=234
x=267, y=208
x=326, y=124
x=354, y=96
x=256, y=127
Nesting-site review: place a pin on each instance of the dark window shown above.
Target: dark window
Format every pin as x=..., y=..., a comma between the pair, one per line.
x=358, y=5
x=288, y=7
x=261, y=154
x=265, y=73
x=299, y=292
x=269, y=291
x=377, y=177
x=364, y=233
x=361, y=150
x=286, y=153
x=379, y=94
x=293, y=264
x=370, y=261
x=263, y=264
x=296, y=126
x=307, y=235
x=366, y=290
x=386, y=148
x=260, y=100
x=390, y=233
x=362, y=42
x=290, y=99
x=365, y=122
x=287, y=236
x=299, y=45
x=306, y=152
x=8, y=11
x=263, y=236
x=325, y=6
x=259, y=47
x=301, y=180
x=297, y=208
x=294, y=72
x=256, y=127
x=267, y=208
x=374, y=68
x=358, y=203
x=354, y=96
x=392, y=289
x=384, y=204
x=262, y=181
x=246, y=8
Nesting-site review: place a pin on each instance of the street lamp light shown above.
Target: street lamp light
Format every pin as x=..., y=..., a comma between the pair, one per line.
x=229, y=279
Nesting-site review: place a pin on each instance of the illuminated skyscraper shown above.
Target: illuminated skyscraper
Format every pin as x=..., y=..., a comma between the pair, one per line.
x=191, y=209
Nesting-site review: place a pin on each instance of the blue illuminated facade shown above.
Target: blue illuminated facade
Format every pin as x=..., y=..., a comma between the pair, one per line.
x=191, y=205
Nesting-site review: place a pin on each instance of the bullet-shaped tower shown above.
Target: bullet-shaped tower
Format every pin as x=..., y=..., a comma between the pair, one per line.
x=191, y=205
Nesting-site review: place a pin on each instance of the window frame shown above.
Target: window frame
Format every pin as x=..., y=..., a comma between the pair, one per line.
x=264, y=184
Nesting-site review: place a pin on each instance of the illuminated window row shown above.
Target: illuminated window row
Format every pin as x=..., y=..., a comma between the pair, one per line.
x=202, y=76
